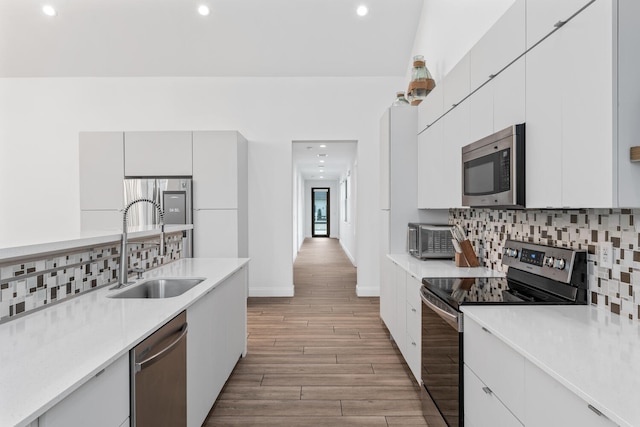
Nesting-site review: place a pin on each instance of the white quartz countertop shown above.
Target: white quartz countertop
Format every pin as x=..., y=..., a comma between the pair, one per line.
x=439, y=268
x=19, y=249
x=46, y=355
x=592, y=352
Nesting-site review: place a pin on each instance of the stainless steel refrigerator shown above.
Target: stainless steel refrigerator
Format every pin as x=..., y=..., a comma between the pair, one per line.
x=172, y=194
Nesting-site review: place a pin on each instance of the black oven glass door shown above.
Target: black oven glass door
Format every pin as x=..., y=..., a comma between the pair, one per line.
x=490, y=174
x=441, y=359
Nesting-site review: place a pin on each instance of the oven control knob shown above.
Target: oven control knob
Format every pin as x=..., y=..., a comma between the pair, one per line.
x=560, y=263
x=549, y=261
x=511, y=252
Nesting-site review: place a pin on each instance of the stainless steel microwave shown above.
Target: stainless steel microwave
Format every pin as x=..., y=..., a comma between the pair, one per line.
x=493, y=170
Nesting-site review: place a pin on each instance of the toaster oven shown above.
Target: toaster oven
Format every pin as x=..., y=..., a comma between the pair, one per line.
x=428, y=241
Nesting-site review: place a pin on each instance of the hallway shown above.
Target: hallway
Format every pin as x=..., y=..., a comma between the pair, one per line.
x=320, y=358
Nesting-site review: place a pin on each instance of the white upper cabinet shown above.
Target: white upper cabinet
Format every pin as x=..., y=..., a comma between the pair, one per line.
x=157, y=154
x=455, y=136
x=218, y=171
x=432, y=107
x=509, y=96
x=502, y=44
x=481, y=112
x=101, y=170
x=431, y=167
x=456, y=84
x=543, y=15
x=544, y=125
x=587, y=108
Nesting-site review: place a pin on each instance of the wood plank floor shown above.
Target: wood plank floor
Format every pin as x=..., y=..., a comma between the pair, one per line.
x=320, y=358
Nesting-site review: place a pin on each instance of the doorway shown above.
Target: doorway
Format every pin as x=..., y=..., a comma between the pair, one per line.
x=320, y=212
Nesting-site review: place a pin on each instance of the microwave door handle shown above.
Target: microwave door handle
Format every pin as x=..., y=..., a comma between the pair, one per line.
x=411, y=233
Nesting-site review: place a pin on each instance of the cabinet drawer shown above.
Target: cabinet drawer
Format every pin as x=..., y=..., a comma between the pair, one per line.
x=499, y=366
x=562, y=406
x=482, y=407
x=414, y=320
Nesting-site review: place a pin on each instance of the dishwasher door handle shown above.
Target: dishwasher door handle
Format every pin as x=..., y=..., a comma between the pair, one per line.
x=159, y=355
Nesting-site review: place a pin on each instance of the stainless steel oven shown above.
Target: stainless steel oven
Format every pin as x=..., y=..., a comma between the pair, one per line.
x=493, y=169
x=537, y=275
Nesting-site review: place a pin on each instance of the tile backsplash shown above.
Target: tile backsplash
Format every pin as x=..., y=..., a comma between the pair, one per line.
x=616, y=288
x=26, y=286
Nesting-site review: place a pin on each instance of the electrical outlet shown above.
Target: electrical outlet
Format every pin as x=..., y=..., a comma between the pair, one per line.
x=606, y=254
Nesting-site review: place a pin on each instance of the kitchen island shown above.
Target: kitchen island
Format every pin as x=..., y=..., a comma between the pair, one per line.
x=48, y=354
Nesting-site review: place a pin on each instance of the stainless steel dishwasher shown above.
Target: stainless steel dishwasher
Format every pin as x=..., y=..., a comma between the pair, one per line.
x=159, y=377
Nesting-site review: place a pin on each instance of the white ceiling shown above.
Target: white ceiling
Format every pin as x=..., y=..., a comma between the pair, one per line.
x=339, y=155
x=109, y=38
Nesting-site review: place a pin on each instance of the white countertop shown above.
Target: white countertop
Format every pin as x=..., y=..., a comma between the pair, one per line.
x=592, y=352
x=48, y=354
x=439, y=268
x=88, y=238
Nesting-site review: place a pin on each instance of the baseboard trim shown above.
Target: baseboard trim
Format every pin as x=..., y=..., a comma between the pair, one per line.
x=281, y=291
x=370, y=291
x=346, y=251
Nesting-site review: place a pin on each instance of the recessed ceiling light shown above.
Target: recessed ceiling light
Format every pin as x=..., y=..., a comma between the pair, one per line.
x=49, y=10
x=203, y=10
x=362, y=10
x=323, y=146
x=321, y=177
x=321, y=161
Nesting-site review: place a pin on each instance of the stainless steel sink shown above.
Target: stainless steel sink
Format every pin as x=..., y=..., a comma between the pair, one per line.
x=159, y=288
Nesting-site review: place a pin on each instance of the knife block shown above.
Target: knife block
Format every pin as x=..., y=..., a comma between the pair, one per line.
x=468, y=254
x=461, y=261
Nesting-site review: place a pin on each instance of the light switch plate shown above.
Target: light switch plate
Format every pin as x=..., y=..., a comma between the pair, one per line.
x=606, y=254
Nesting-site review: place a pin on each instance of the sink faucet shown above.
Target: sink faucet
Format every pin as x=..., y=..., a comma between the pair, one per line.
x=124, y=259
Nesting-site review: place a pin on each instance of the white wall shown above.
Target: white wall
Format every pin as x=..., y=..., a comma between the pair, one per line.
x=40, y=120
x=449, y=28
x=334, y=206
x=348, y=228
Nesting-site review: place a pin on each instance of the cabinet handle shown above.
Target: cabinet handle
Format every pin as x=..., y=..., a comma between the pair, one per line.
x=491, y=76
x=413, y=343
x=594, y=409
x=487, y=390
x=414, y=310
x=486, y=330
x=559, y=24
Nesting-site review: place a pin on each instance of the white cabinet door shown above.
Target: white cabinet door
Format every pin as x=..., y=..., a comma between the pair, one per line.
x=587, y=117
x=431, y=108
x=217, y=339
x=388, y=294
x=205, y=338
x=496, y=364
x=103, y=401
x=503, y=43
x=414, y=326
x=456, y=84
x=215, y=233
x=509, y=96
x=544, y=124
x=561, y=406
x=481, y=112
x=431, y=167
x=400, y=310
x=456, y=135
x=157, y=154
x=483, y=408
x=215, y=169
x=542, y=15
x=101, y=170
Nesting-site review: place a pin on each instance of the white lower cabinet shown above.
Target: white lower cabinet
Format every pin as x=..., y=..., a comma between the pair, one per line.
x=562, y=407
x=482, y=407
x=103, y=401
x=400, y=309
x=216, y=340
x=502, y=388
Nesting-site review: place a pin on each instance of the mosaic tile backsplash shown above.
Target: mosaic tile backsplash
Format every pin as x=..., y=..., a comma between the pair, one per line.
x=34, y=284
x=616, y=288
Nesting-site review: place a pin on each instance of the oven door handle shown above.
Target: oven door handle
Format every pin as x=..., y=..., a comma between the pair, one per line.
x=451, y=319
